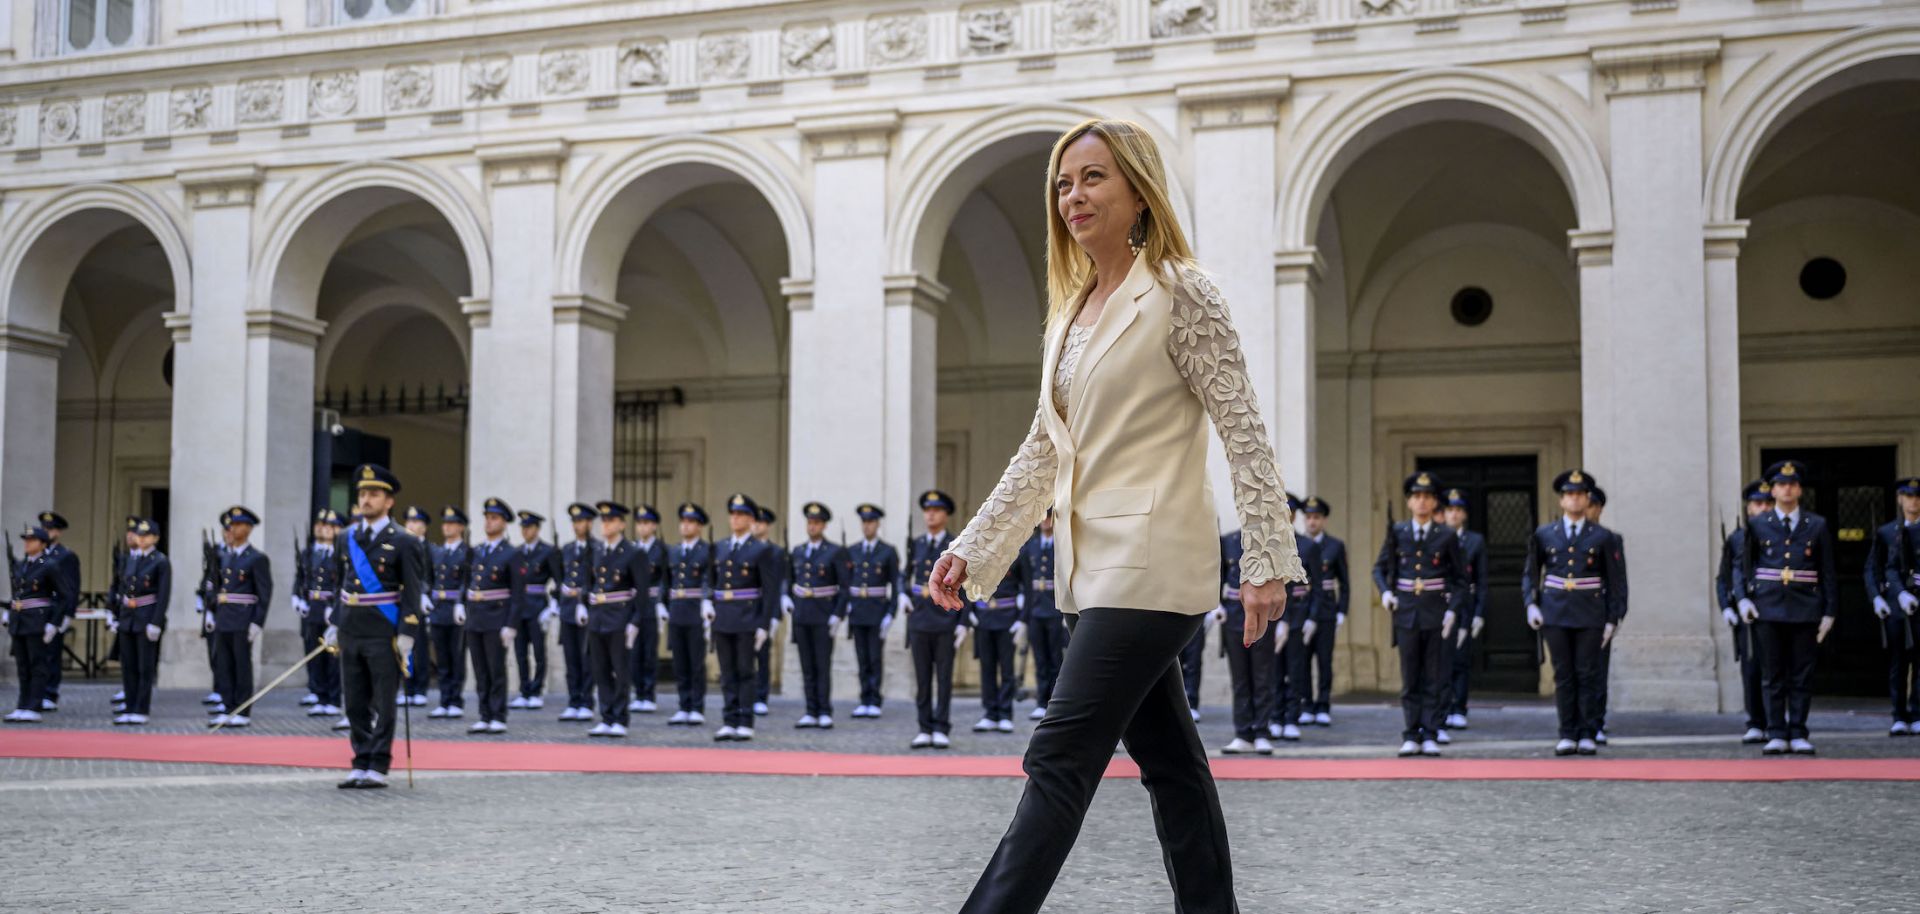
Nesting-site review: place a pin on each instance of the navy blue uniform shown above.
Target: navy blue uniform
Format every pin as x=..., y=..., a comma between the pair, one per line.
x=1746, y=638
x=1575, y=580
x=67, y=562
x=993, y=620
x=644, y=659
x=875, y=580
x=1473, y=547
x=615, y=598
x=447, y=638
x=1046, y=627
x=1330, y=611
x=689, y=579
x=821, y=578
x=1891, y=571
x=1428, y=577
x=1249, y=667
x=369, y=660
x=746, y=596
x=930, y=637
x=240, y=600
x=763, y=656
x=1788, y=573
x=320, y=575
x=489, y=601
x=40, y=596
x=1290, y=688
x=1618, y=582
x=573, y=636
x=535, y=577
x=143, y=590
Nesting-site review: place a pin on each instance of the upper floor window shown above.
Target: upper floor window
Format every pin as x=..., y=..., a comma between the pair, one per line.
x=346, y=11
x=102, y=25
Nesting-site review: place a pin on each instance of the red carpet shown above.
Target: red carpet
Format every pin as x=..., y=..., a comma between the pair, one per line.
x=444, y=755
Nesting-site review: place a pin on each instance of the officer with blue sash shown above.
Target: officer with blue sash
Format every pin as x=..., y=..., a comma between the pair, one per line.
x=1791, y=596
x=818, y=590
x=689, y=580
x=746, y=597
x=1040, y=614
x=375, y=622
x=1571, y=585
x=875, y=582
x=238, y=614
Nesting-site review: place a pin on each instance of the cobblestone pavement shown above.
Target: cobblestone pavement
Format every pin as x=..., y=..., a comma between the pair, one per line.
x=106, y=836
x=1363, y=727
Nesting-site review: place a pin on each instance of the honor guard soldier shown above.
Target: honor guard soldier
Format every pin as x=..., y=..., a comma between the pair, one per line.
x=238, y=613
x=450, y=565
x=146, y=580
x=1249, y=666
x=1473, y=547
x=933, y=634
x=117, y=614
x=689, y=613
x=653, y=612
x=746, y=575
x=488, y=614
x=763, y=521
x=313, y=599
x=1332, y=608
x=996, y=623
x=819, y=592
x=1596, y=505
x=615, y=599
x=376, y=621
x=1787, y=575
x=575, y=558
x=1893, y=582
x=1299, y=623
x=33, y=619
x=875, y=583
x=420, y=665
x=535, y=575
x=1422, y=578
x=1046, y=627
x=1574, y=601
x=1758, y=499
x=68, y=563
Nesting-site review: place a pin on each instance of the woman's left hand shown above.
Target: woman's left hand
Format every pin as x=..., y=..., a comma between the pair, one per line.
x=1264, y=603
x=949, y=574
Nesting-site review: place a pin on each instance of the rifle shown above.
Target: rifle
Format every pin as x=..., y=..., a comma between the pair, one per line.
x=301, y=584
x=1739, y=638
x=13, y=568
x=1906, y=575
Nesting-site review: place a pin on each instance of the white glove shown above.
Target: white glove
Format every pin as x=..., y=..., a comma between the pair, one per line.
x=1446, y=624
x=1826, y=625
x=1280, y=632
x=206, y=621
x=1479, y=622
x=1216, y=616
x=759, y=638
x=660, y=610
x=838, y=626
x=1017, y=628
x=1733, y=618
x=459, y=613
x=426, y=603
x=113, y=625
x=5, y=617
x=65, y=623
x=1606, y=634
x=1020, y=601
x=153, y=632
x=1748, y=611
x=1339, y=619
x=1880, y=607
x=330, y=637
x=547, y=616
x=1390, y=601
x=507, y=634
x=1908, y=602
x=300, y=606
x=406, y=655
x=253, y=632
x=886, y=622
x=773, y=625
x=1306, y=631
x=959, y=636
x=1535, y=618
x=52, y=630
x=706, y=610
x=633, y=634
x=906, y=603
x=786, y=603
x=199, y=604
x=1460, y=638
x=580, y=615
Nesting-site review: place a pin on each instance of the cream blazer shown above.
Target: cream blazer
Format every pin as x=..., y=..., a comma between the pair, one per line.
x=1126, y=468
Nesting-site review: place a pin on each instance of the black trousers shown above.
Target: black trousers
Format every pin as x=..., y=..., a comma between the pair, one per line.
x=323, y=671
x=932, y=679
x=816, y=666
x=688, y=643
x=1118, y=683
x=530, y=643
x=1603, y=674
x=869, y=654
x=1192, y=657
x=1903, y=668
x=607, y=651
x=645, y=661
x=420, y=679
x=763, y=671
x=1291, y=692
x=1752, y=696
x=449, y=650
x=1420, y=670
x=232, y=667
x=997, y=684
x=573, y=649
x=1320, y=656
x=1461, y=673
x=1786, y=663
x=370, y=679
x=206, y=638
x=139, y=668
x=488, y=653
x=1576, y=678
x=736, y=653
x=1251, y=669
x=51, y=660
x=1047, y=639
x=30, y=663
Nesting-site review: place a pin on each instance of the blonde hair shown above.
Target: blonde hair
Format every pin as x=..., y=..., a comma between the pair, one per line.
x=1069, y=268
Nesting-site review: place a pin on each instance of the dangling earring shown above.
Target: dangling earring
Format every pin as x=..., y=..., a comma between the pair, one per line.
x=1137, y=235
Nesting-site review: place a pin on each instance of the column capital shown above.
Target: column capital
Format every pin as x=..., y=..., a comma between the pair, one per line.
x=580, y=308
x=799, y=293
x=1591, y=247
x=915, y=290
x=281, y=325
x=536, y=162
x=16, y=338
x=1234, y=103
x=179, y=324
x=479, y=311
x=232, y=185
x=1679, y=65
x=1299, y=266
x=844, y=136
x=1723, y=239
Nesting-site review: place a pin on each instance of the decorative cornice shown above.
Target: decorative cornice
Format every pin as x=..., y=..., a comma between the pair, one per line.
x=842, y=136
x=1591, y=247
x=15, y=338
x=586, y=309
x=479, y=311
x=232, y=185
x=283, y=326
x=1532, y=358
x=1234, y=103
x=799, y=293
x=179, y=324
x=1723, y=239
x=915, y=290
x=534, y=162
x=1679, y=65
x=1819, y=345
x=1295, y=267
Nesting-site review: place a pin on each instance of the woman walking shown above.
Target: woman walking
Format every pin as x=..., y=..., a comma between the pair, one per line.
x=1140, y=351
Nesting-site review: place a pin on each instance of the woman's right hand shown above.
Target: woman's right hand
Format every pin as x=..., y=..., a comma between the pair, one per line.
x=1264, y=604
x=945, y=582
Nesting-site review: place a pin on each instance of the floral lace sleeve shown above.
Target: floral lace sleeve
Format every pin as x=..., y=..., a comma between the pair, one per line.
x=1206, y=351
x=992, y=539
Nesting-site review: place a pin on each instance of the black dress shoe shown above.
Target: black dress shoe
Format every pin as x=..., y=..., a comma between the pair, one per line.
x=350, y=784
x=371, y=784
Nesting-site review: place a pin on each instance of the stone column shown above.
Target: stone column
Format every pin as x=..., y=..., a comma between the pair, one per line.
x=583, y=335
x=277, y=468
x=1650, y=358
x=29, y=387
x=1291, y=417
x=517, y=436
x=1724, y=457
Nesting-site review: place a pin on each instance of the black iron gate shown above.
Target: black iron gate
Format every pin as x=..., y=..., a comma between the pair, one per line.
x=338, y=448
x=636, y=442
